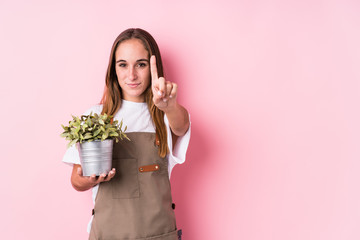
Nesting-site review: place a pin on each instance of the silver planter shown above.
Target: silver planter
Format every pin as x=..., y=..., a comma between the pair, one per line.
x=96, y=156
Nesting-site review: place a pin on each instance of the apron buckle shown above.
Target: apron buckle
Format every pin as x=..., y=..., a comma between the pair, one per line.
x=179, y=232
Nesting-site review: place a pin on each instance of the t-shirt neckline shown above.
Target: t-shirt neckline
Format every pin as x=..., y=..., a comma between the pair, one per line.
x=127, y=103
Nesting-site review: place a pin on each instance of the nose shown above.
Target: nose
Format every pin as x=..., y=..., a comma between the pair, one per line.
x=132, y=74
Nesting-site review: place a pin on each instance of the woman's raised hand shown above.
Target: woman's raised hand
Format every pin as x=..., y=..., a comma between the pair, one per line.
x=164, y=92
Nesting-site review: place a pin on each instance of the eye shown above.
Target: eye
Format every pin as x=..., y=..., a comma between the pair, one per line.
x=122, y=65
x=141, y=65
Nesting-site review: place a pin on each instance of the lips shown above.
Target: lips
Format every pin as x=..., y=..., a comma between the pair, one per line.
x=133, y=85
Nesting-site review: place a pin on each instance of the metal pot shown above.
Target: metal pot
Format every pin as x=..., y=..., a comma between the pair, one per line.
x=96, y=156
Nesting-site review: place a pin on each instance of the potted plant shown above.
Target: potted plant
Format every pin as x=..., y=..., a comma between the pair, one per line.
x=94, y=135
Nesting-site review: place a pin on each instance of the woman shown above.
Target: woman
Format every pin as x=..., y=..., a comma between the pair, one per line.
x=133, y=200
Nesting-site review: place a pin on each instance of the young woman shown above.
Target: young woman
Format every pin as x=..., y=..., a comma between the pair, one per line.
x=133, y=200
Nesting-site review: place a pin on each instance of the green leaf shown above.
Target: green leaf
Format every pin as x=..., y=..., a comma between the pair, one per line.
x=76, y=130
x=125, y=136
x=114, y=134
x=87, y=136
x=64, y=134
x=72, y=142
x=97, y=132
x=89, y=122
x=105, y=135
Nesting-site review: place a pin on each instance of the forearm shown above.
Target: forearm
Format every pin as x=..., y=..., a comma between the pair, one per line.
x=178, y=119
x=80, y=184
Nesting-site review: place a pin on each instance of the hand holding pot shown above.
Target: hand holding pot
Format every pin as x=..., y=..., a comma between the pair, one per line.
x=83, y=183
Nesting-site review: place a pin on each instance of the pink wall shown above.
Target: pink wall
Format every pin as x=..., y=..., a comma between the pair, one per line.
x=273, y=90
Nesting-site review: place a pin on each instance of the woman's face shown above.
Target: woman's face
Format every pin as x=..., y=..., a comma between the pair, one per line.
x=132, y=69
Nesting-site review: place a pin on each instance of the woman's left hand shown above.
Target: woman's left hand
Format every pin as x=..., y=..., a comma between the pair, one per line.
x=164, y=92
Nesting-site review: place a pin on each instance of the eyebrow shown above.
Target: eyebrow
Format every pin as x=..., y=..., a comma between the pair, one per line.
x=139, y=60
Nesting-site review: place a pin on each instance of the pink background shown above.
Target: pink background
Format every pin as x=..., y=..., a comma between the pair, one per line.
x=272, y=87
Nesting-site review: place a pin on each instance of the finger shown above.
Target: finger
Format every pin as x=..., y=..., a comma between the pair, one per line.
x=93, y=178
x=156, y=92
x=156, y=95
x=169, y=87
x=167, y=91
x=156, y=99
x=102, y=177
x=161, y=87
x=110, y=175
x=153, y=69
x=173, y=91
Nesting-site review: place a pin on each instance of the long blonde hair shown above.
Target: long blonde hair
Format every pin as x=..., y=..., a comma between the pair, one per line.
x=111, y=99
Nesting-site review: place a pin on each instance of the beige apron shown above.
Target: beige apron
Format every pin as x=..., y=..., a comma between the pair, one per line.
x=137, y=202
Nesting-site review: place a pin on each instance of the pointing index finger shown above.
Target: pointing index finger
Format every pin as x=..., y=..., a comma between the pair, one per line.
x=153, y=69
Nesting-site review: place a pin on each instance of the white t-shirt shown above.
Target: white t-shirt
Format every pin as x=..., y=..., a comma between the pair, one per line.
x=136, y=117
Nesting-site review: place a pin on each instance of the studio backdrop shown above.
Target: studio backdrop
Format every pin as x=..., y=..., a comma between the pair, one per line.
x=272, y=88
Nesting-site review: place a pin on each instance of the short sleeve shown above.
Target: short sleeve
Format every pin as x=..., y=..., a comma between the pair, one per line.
x=177, y=154
x=71, y=155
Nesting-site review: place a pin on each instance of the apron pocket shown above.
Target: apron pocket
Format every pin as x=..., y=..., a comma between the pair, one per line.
x=125, y=184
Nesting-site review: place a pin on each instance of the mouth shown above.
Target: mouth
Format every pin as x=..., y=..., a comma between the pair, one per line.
x=133, y=85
